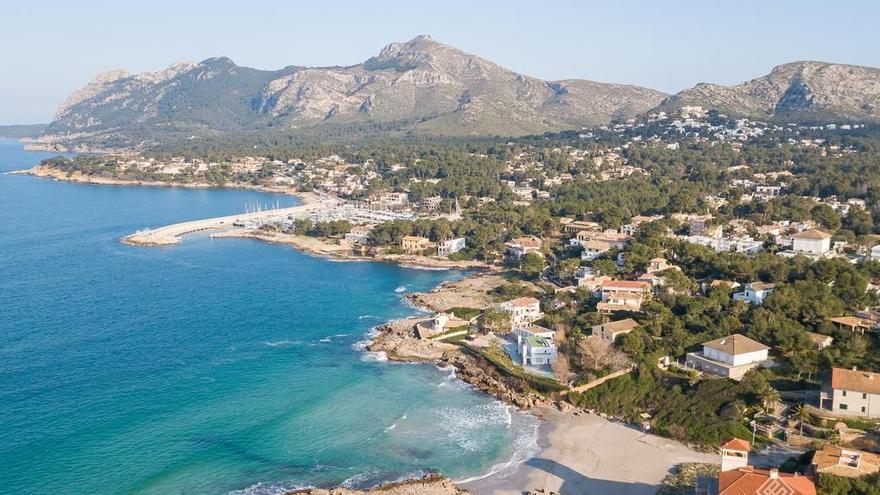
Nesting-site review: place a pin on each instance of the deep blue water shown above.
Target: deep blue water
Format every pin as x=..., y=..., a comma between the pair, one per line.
x=209, y=367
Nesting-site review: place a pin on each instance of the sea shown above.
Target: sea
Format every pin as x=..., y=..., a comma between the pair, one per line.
x=216, y=366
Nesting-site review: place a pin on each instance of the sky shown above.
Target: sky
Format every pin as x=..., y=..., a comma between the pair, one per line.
x=52, y=48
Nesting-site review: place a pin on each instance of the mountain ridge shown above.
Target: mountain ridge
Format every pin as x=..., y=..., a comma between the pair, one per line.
x=426, y=86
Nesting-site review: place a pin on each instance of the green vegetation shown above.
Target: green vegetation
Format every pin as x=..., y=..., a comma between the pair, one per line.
x=502, y=362
x=835, y=485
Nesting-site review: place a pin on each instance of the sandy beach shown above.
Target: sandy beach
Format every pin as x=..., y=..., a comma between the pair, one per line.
x=585, y=454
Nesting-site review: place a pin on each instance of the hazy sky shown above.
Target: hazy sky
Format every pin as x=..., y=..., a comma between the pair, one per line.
x=53, y=48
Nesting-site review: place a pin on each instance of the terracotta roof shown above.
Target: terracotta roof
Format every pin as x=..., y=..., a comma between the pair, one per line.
x=597, y=245
x=856, y=381
x=735, y=345
x=620, y=325
x=761, y=286
x=523, y=301
x=845, y=462
x=751, y=481
x=813, y=234
x=819, y=338
x=625, y=284
x=737, y=444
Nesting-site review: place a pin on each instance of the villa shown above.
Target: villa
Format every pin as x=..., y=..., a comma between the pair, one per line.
x=812, y=241
x=521, y=246
x=730, y=357
x=623, y=295
x=738, y=477
x=523, y=311
x=451, y=246
x=852, y=393
x=535, y=345
x=755, y=293
x=414, y=244
x=609, y=332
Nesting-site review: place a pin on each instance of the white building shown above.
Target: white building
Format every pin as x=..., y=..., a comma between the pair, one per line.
x=811, y=241
x=451, y=246
x=594, y=249
x=535, y=345
x=754, y=293
x=523, y=311
x=875, y=253
x=853, y=393
x=730, y=357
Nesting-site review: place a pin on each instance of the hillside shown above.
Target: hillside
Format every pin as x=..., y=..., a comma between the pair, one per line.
x=419, y=87
x=798, y=91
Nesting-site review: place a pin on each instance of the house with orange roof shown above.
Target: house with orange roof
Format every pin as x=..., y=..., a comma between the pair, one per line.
x=623, y=295
x=523, y=311
x=738, y=477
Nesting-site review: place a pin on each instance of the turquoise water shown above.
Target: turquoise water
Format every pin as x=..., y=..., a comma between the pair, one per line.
x=212, y=367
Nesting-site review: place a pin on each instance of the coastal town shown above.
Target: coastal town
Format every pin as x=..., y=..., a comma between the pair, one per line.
x=736, y=311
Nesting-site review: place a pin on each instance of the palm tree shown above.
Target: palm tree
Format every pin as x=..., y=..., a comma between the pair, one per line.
x=802, y=414
x=769, y=398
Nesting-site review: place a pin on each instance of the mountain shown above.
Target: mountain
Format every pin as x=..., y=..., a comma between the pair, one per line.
x=798, y=91
x=18, y=131
x=420, y=87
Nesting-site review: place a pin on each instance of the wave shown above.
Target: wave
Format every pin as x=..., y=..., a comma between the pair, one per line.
x=282, y=343
x=426, y=268
x=270, y=489
x=400, y=289
x=525, y=446
x=361, y=345
x=377, y=356
x=463, y=425
x=326, y=340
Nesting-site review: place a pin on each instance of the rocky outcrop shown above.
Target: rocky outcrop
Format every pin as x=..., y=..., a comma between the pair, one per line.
x=419, y=86
x=432, y=484
x=486, y=378
x=798, y=91
x=398, y=341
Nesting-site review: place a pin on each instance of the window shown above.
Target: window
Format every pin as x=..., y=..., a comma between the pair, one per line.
x=864, y=396
x=863, y=408
x=843, y=407
x=843, y=393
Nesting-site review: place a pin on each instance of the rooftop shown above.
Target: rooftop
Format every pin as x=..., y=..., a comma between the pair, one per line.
x=735, y=345
x=812, y=234
x=620, y=325
x=625, y=284
x=750, y=481
x=737, y=444
x=855, y=380
x=845, y=462
x=523, y=302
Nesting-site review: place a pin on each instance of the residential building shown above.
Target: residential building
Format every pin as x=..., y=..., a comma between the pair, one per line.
x=610, y=237
x=414, y=244
x=632, y=227
x=359, y=234
x=451, y=246
x=875, y=253
x=576, y=226
x=536, y=346
x=754, y=293
x=440, y=323
x=738, y=477
x=853, y=393
x=820, y=341
x=521, y=246
x=523, y=311
x=594, y=249
x=609, y=332
x=623, y=295
x=847, y=463
x=854, y=323
x=811, y=241
x=730, y=357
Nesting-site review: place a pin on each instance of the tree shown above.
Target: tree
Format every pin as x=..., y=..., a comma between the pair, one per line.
x=532, y=264
x=561, y=369
x=802, y=414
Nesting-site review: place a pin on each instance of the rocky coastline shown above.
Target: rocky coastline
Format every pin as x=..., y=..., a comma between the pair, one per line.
x=432, y=484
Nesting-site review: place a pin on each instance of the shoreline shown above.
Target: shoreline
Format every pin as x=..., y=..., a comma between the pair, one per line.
x=566, y=437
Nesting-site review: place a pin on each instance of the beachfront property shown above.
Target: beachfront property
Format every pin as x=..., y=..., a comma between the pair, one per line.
x=523, y=311
x=609, y=332
x=738, y=477
x=852, y=393
x=730, y=357
x=439, y=324
x=359, y=234
x=521, y=246
x=414, y=244
x=623, y=295
x=451, y=246
x=847, y=463
x=535, y=345
x=811, y=242
x=754, y=293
